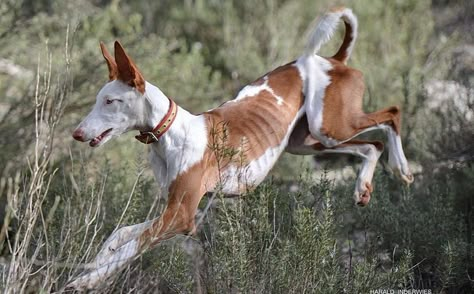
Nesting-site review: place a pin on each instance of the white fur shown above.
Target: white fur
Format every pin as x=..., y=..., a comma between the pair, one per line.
x=251, y=90
x=104, y=265
x=119, y=249
x=326, y=27
x=370, y=156
x=396, y=157
x=121, y=116
x=314, y=73
x=182, y=146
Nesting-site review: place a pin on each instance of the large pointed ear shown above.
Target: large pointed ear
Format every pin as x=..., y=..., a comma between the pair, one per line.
x=127, y=70
x=113, y=72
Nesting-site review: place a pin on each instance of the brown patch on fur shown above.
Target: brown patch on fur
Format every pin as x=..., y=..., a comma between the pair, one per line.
x=343, y=117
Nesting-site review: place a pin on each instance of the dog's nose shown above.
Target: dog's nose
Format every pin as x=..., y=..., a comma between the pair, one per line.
x=78, y=134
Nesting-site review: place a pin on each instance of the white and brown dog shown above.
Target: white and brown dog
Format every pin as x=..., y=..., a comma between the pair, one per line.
x=309, y=106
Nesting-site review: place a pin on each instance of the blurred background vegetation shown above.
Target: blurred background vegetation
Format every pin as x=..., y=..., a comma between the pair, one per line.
x=299, y=232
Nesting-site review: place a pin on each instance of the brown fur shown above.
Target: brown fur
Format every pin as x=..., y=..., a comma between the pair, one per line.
x=342, y=54
x=343, y=117
x=113, y=72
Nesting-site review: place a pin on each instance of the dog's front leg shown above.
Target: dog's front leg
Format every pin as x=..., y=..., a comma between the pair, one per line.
x=120, y=248
x=127, y=243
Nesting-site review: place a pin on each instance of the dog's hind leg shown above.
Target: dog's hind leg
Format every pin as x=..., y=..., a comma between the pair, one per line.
x=335, y=115
x=302, y=143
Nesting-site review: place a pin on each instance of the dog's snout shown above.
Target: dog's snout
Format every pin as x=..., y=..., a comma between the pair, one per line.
x=78, y=134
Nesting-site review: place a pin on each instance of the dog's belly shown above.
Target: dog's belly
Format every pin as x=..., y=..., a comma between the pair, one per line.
x=237, y=179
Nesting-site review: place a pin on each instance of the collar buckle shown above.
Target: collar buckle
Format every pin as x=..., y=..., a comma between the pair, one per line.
x=154, y=135
x=151, y=137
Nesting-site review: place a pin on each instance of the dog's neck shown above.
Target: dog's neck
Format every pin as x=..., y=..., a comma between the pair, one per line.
x=157, y=105
x=182, y=133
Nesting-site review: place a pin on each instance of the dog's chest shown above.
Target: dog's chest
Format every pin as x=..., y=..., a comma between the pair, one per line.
x=178, y=150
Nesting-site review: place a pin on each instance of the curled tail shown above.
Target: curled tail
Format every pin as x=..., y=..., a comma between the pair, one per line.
x=323, y=32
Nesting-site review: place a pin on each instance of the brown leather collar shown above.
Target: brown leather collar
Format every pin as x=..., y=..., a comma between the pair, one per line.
x=161, y=127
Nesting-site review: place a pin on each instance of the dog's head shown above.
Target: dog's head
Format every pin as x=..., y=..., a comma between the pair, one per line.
x=119, y=104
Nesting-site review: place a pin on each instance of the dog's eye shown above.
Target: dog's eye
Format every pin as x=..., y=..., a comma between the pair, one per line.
x=109, y=101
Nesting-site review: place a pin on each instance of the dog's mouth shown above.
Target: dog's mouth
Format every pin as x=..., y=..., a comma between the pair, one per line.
x=97, y=140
